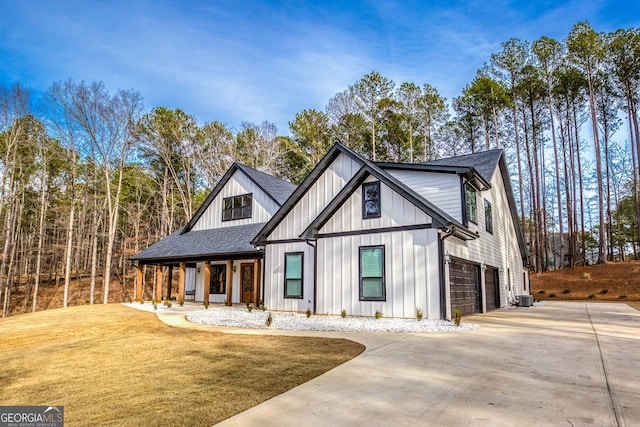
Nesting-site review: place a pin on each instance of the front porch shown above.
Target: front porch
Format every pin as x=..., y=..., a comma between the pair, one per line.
x=225, y=281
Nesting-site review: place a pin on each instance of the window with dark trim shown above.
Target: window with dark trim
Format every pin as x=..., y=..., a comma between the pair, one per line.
x=371, y=200
x=488, y=218
x=218, y=281
x=237, y=207
x=293, y=275
x=372, y=283
x=471, y=204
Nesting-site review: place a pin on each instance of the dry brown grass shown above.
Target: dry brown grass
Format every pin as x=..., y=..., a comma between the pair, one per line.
x=112, y=365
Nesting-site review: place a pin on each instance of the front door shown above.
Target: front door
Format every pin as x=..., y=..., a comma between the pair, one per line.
x=246, y=279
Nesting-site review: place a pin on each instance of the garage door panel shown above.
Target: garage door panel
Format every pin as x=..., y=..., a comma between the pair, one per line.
x=464, y=287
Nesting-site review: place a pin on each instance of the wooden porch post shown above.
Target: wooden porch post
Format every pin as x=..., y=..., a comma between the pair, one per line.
x=229, y=301
x=159, y=283
x=207, y=281
x=139, y=287
x=181, y=279
x=256, y=282
x=170, y=282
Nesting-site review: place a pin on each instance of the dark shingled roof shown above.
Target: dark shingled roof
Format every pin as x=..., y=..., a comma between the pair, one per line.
x=485, y=162
x=280, y=190
x=202, y=244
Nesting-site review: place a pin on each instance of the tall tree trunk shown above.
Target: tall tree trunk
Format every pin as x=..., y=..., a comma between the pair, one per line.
x=602, y=243
x=583, y=241
x=41, y=231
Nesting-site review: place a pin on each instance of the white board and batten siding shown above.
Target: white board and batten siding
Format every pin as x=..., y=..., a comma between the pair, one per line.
x=326, y=187
x=316, y=198
x=263, y=206
x=411, y=259
x=274, y=265
x=410, y=269
x=441, y=189
x=395, y=211
x=498, y=249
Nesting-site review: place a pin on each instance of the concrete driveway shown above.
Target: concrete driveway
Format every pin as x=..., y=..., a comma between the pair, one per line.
x=559, y=364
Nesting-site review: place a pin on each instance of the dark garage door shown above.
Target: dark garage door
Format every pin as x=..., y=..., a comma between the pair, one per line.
x=491, y=287
x=464, y=286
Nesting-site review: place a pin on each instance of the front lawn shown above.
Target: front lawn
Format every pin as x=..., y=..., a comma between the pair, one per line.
x=111, y=365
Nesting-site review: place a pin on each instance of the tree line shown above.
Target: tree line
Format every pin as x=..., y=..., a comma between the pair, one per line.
x=89, y=178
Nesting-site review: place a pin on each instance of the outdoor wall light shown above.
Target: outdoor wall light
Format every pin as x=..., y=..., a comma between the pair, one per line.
x=447, y=258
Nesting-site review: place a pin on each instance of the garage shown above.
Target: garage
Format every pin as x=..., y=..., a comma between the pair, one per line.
x=464, y=286
x=492, y=288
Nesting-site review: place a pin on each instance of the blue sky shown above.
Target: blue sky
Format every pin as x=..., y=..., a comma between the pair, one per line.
x=268, y=60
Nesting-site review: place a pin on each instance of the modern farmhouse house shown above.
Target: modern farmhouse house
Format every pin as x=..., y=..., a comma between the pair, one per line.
x=365, y=237
x=359, y=236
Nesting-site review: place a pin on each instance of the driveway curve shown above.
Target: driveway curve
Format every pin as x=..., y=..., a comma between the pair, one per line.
x=562, y=363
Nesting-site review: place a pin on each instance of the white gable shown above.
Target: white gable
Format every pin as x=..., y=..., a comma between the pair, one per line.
x=262, y=210
x=396, y=211
x=326, y=187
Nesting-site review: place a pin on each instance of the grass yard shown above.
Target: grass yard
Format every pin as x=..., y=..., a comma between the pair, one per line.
x=112, y=365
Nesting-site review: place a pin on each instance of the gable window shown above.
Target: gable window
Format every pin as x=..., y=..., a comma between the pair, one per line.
x=372, y=286
x=293, y=275
x=236, y=207
x=371, y=200
x=471, y=204
x=488, y=219
x=218, y=281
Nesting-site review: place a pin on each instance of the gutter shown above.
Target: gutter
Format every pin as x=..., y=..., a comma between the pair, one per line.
x=448, y=232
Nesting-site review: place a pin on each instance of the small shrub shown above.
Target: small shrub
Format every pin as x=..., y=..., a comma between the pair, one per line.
x=419, y=314
x=155, y=305
x=206, y=305
x=269, y=320
x=457, y=317
x=343, y=313
x=592, y=296
x=566, y=291
x=378, y=314
x=586, y=275
x=622, y=296
x=249, y=307
x=308, y=313
x=262, y=306
x=168, y=304
x=541, y=292
x=604, y=291
x=141, y=301
x=552, y=295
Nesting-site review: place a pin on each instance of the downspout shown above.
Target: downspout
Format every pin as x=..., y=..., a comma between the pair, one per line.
x=315, y=272
x=443, y=233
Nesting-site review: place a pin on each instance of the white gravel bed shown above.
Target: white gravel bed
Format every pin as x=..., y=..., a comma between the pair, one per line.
x=242, y=318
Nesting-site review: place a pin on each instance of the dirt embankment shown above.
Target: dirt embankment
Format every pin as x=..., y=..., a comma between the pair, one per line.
x=618, y=281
